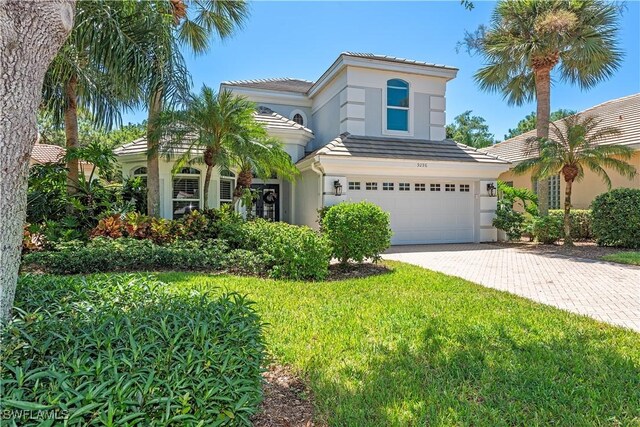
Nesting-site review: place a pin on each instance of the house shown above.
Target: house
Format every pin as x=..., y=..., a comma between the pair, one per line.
x=623, y=113
x=372, y=127
x=42, y=154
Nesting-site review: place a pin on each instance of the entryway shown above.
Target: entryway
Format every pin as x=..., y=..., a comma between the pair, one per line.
x=267, y=201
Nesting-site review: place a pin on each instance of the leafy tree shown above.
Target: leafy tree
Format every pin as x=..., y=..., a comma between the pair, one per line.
x=219, y=129
x=169, y=79
x=527, y=39
x=470, y=130
x=529, y=122
x=573, y=147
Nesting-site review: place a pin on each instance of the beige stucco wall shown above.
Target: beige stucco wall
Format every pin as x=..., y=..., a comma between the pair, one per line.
x=584, y=191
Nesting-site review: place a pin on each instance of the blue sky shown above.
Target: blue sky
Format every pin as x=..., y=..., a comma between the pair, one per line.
x=302, y=38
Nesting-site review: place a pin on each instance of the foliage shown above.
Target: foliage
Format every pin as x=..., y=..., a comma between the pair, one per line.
x=632, y=258
x=580, y=222
x=293, y=252
x=46, y=195
x=134, y=192
x=470, y=130
x=509, y=220
x=414, y=347
x=127, y=254
x=122, y=350
x=357, y=231
x=547, y=229
x=512, y=221
x=615, y=216
x=523, y=198
x=529, y=122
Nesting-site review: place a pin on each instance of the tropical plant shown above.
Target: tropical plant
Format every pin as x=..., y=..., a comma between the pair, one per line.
x=169, y=81
x=509, y=219
x=530, y=121
x=470, y=130
x=573, y=147
x=615, y=216
x=527, y=39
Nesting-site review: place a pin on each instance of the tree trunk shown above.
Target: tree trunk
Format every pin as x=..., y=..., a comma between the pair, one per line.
x=31, y=33
x=207, y=181
x=543, y=113
x=71, y=131
x=568, y=240
x=153, y=147
x=244, y=181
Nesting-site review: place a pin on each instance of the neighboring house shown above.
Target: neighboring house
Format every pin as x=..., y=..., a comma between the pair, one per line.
x=623, y=113
x=46, y=153
x=370, y=128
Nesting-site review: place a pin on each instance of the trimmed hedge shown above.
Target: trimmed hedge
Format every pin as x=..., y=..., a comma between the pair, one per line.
x=615, y=218
x=123, y=351
x=548, y=229
x=357, y=231
x=289, y=251
x=580, y=222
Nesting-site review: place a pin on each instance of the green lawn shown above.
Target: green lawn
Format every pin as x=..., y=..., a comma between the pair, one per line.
x=624, y=258
x=414, y=348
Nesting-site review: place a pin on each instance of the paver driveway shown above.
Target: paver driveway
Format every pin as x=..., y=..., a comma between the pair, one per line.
x=605, y=291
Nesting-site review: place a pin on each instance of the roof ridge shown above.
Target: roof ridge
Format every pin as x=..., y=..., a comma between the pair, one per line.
x=395, y=58
x=265, y=80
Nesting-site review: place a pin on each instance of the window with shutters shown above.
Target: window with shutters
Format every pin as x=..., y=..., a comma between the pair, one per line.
x=227, y=185
x=186, y=191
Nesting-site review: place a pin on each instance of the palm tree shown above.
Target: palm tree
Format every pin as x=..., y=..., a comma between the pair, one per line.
x=87, y=74
x=169, y=78
x=574, y=147
x=219, y=129
x=527, y=39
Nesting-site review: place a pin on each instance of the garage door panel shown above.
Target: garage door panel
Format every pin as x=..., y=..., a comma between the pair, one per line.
x=422, y=216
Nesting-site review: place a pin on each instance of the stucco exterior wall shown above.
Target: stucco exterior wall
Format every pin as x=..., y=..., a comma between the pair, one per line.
x=326, y=120
x=307, y=199
x=584, y=191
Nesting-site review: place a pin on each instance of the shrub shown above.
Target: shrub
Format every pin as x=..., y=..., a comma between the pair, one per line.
x=289, y=251
x=357, y=231
x=615, y=218
x=580, y=222
x=125, y=254
x=509, y=220
x=548, y=229
x=123, y=351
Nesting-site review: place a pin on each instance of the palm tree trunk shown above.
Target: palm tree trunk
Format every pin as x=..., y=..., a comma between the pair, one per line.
x=207, y=181
x=153, y=147
x=543, y=113
x=71, y=131
x=568, y=240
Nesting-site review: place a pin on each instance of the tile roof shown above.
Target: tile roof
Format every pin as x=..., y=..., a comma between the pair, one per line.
x=271, y=119
x=395, y=59
x=47, y=153
x=285, y=84
x=403, y=148
x=623, y=113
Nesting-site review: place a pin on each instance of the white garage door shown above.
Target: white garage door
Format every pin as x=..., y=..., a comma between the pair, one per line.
x=421, y=211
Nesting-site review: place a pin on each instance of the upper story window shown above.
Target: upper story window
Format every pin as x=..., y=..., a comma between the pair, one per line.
x=298, y=119
x=397, y=105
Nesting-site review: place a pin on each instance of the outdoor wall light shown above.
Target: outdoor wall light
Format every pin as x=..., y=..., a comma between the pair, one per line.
x=337, y=187
x=491, y=189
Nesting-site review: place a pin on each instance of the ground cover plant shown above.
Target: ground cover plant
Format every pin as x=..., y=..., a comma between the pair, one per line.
x=632, y=258
x=120, y=350
x=415, y=347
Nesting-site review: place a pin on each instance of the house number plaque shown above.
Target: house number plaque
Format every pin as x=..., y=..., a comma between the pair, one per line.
x=422, y=165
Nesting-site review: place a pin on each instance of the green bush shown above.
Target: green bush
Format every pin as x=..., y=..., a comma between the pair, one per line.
x=509, y=220
x=123, y=351
x=615, y=218
x=289, y=251
x=548, y=229
x=357, y=231
x=580, y=222
x=125, y=254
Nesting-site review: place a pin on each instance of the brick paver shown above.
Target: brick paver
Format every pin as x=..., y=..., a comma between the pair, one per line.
x=605, y=291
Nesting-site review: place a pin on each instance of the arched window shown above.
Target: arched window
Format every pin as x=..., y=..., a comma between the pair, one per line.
x=140, y=172
x=397, y=105
x=186, y=191
x=298, y=119
x=227, y=185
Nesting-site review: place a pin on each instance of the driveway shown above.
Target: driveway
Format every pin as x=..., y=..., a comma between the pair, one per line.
x=605, y=291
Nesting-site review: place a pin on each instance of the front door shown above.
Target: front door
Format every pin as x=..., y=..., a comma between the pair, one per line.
x=267, y=201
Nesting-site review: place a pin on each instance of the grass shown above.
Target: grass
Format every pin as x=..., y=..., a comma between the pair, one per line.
x=415, y=347
x=632, y=258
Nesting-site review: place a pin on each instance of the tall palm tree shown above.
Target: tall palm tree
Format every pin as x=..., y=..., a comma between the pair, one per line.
x=528, y=39
x=219, y=129
x=192, y=25
x=87, y=74
x=574, y=146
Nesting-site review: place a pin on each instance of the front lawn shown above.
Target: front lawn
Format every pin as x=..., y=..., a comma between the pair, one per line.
x=632, y=258
x=415, y=347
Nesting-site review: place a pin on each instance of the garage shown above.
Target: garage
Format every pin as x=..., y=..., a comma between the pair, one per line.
x=421, y=210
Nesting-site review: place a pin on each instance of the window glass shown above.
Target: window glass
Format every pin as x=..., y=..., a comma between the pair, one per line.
x=387, y=186
x=464, y=188
x=397, y=97
x=435, y=187
x=298, y=119
x=420, y=187
x=372, y=185
x=404, y=186
x=397, y=119
x=186, y=192
x=449, y=187
x=397, y=105
x=354, y=185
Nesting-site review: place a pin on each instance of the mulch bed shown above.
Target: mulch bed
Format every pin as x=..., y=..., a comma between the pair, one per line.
x=356, y=271
x=287, y=401
x=581, y=249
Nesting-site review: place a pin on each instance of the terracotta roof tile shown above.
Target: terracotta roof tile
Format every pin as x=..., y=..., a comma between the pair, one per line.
x=47, y=153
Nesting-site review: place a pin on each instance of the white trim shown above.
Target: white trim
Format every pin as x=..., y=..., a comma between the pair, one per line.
x=410, y=109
